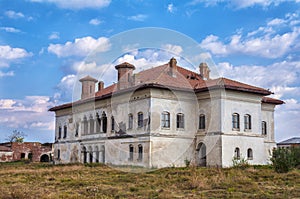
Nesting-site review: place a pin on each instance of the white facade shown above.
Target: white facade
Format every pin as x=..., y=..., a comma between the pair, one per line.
x=159, y=127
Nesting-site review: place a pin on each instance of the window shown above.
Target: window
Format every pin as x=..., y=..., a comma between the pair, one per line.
x=180, y=121
x=130, y=121
x=140, y=158
x=104, y=121
x=85, y=125
x=112, y=123
x=249, y=154
x=84, y=155
x=65, y=131
x=130, y=153
x=264, y=128
x=235, y=121
x=140, y=120
x=202, y=121
x=77, y=129
x=59, y=132
x=92, y=125
x=247, y=122
x=58, y=154
x=98, y=123
x=165, y=120
x=237, y=153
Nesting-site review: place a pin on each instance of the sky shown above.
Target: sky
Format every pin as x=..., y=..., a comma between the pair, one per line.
x=44, y=45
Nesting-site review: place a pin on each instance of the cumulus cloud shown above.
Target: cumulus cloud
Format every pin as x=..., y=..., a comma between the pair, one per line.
x=139, y=17
x=76, y=4
x=268, y=46
x=9, y=54
x=80, y=47
x=30, y=112
x=95, y=22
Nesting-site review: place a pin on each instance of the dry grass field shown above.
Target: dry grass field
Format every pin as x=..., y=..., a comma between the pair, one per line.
x=21, y=180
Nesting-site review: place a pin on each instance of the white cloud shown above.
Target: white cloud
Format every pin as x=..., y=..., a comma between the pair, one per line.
x=54, y=35
x=268, y=46
x=14, y=15
x=77, y=4
x=275, y=22
x=240, y=4
x=10, y=29
x=31, y=112
x=80, y=47
x=177, y=50
x=171, y=8
x=9, y=73
x=139, y=17
x=9, y=54
x=95, y=22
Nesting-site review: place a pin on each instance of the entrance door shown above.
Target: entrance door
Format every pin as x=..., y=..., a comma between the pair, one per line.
x=201, y=154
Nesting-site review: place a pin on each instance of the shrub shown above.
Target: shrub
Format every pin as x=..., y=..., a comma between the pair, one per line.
x=241, y=163
x=284, y=159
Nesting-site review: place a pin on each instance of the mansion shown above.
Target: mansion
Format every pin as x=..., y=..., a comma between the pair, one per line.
x=166, y=116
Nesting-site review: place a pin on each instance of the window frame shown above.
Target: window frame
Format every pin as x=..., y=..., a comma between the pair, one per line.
x=237, y=153
x=247, y=122
x=65, y=131
x=235, y=121
x=264, y=128
x=113, y=123
x=249, y=154
x=140, y=119
x=140, y=152
x=131, y=152
x=180, y=121
x=165, y=120
x=202, y=122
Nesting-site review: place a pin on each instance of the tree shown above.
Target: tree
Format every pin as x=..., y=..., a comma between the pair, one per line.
x=16, y=136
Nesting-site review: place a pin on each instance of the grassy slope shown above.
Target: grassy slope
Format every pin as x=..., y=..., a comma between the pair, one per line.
x=98, y=181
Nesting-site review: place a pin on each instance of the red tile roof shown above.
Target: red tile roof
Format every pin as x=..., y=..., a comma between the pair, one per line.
x=161, y=76
x=270, y=100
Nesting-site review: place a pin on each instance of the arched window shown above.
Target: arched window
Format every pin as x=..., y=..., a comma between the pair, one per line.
x=249, y=154
x=112, y=123
x=84, y=154
x=264, y=128
x=130, y=152
x=85, y=125
x=180, y=121
x=140, y=119
x=202, y=121
x=237, y=153
x=140, y=157
x=90, y=155
x=247, y=122
x=92, y=124
x=65, y=131
x=130, y=121
x=165, y=120
x=59, y=132
x=98, y=123
x=235, y=121
x=104, y=122
x=77, y=129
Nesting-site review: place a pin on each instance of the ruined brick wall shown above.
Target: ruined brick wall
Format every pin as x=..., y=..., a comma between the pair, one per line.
x=29, y=150
x=6, y=156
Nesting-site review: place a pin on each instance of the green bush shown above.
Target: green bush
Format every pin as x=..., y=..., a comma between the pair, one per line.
x=285, y=159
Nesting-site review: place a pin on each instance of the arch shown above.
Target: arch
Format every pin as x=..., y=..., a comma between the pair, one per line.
x=201, y=155
x=44, y=158
x=90, y=154
x=104, y=122
x=237, y=154
x=249, y=154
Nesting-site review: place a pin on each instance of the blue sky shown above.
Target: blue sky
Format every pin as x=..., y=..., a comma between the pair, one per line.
x=43, y=43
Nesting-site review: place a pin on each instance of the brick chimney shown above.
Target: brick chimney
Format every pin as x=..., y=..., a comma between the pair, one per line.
x=100, y=85
x=88, y=87
x=173, y=67
x=125, y=71
x=204, y=71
